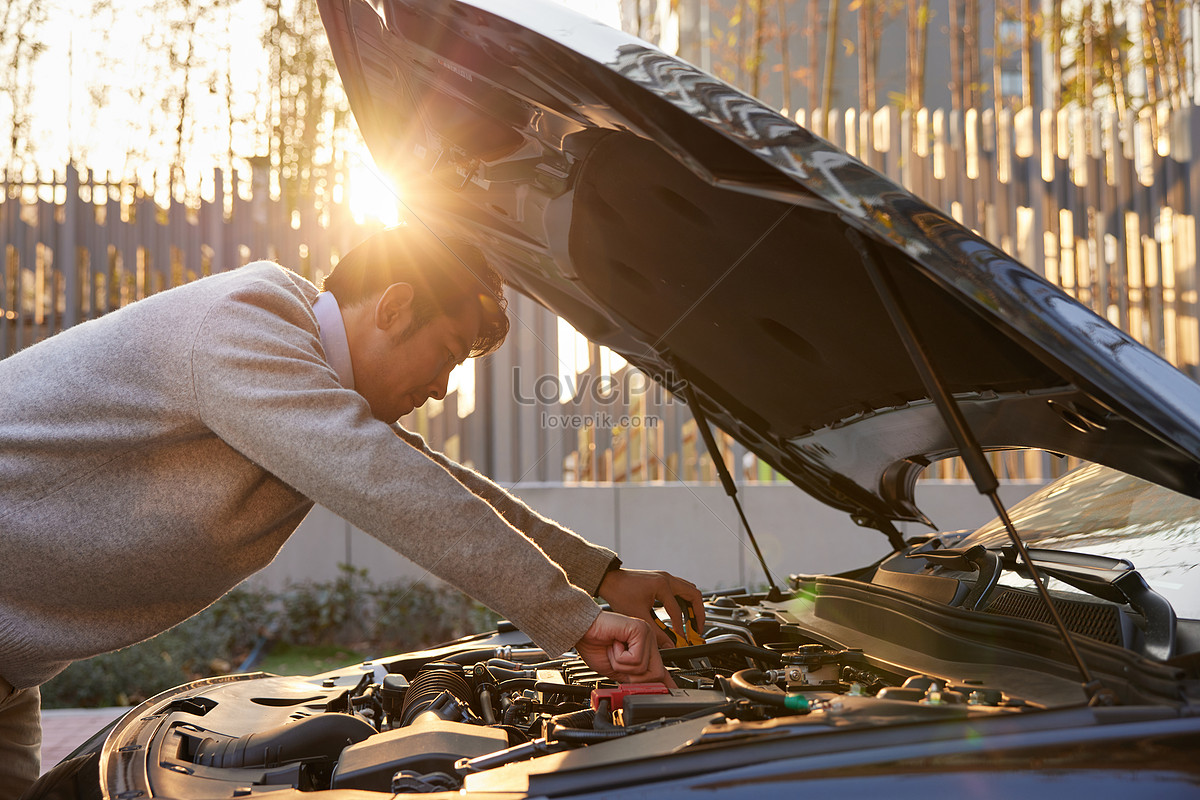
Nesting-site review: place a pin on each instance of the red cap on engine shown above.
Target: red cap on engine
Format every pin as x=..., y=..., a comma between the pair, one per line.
x=616, y=695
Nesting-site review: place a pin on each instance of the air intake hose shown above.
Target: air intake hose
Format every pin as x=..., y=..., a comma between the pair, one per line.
x=322, y=737
x=443, y=691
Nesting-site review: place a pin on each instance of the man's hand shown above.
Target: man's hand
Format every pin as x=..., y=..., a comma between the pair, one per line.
x=622, y=648
x=633, y=592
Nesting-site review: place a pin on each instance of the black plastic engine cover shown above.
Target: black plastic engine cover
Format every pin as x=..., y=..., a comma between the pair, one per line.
x=640, y=708
x=428, y=745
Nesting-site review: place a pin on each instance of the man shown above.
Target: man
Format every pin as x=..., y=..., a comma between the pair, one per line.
x=152, y=459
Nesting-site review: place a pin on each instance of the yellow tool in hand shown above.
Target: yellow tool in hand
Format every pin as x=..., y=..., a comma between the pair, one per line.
x=691, y=630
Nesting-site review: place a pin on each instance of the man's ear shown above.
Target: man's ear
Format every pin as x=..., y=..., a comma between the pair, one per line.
x=393, y=312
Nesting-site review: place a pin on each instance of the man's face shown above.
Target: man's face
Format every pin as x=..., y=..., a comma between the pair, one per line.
x=398, y=366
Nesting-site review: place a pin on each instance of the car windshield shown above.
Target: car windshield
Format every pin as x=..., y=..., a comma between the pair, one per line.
x=1098, y=510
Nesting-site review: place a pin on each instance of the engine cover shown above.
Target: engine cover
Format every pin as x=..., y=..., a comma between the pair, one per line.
x=428, y=745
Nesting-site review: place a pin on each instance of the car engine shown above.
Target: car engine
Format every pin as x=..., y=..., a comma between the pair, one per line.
x=431, y=721
x=491, y=713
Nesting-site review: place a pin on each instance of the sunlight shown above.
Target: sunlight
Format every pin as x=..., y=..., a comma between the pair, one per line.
x=613, y=361
x=573, y=358
x=371, y=196
x=462, y=380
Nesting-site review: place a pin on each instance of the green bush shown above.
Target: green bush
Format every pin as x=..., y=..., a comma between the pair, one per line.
x=395, y=616
x=210, y=642
x=330, y=612
x=350, y=611
x=417, y=615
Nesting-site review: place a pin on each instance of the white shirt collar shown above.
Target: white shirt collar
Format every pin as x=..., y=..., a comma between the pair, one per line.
x=333, y=337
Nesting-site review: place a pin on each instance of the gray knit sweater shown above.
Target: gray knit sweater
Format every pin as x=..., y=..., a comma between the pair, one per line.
x=152, y=459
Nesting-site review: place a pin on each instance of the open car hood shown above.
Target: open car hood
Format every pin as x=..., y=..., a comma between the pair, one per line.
x=702, y=236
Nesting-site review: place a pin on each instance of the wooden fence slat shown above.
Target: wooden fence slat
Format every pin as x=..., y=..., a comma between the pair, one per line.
x=43, y=281
x=24, y=262
x=904, y=149
x=552, y=442
x=480, y=423
x=67, y=258
x=1151, y=268
x=923, y=183
x=87, y=236
x=972, y=169
x=1027, y=154
x=1007, y=174
x=123, y=256
x=505, y=464
x=7, y=306
x=1186, y=283
x=1104, y=198
x=955, y=165
x=939, y=157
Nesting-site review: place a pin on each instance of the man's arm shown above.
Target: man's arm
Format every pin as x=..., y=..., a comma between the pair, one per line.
x=588, y=566
x=585, y=563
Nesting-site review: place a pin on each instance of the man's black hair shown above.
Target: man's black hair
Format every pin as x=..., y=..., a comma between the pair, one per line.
x=445, y=274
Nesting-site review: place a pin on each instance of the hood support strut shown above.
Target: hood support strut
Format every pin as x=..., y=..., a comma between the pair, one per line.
x=701, y=418
x=968, y=446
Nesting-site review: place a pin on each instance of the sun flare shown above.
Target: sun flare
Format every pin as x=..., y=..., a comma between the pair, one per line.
x=371, y=196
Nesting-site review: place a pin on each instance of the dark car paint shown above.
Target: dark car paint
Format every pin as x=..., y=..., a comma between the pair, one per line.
x=701, y=235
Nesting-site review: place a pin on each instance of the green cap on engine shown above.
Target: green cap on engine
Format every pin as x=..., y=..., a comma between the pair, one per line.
x=796, y=702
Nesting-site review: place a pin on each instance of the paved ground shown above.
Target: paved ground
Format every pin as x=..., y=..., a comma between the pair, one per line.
x=64, y=729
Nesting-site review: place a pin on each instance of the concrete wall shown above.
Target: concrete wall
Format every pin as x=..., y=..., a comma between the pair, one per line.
x=691, y=530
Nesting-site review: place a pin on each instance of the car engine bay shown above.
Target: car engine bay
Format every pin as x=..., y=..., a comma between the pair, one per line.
x=492, y=713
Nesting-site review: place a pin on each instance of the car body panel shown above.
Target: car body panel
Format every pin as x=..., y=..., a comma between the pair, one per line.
x=702, y=236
